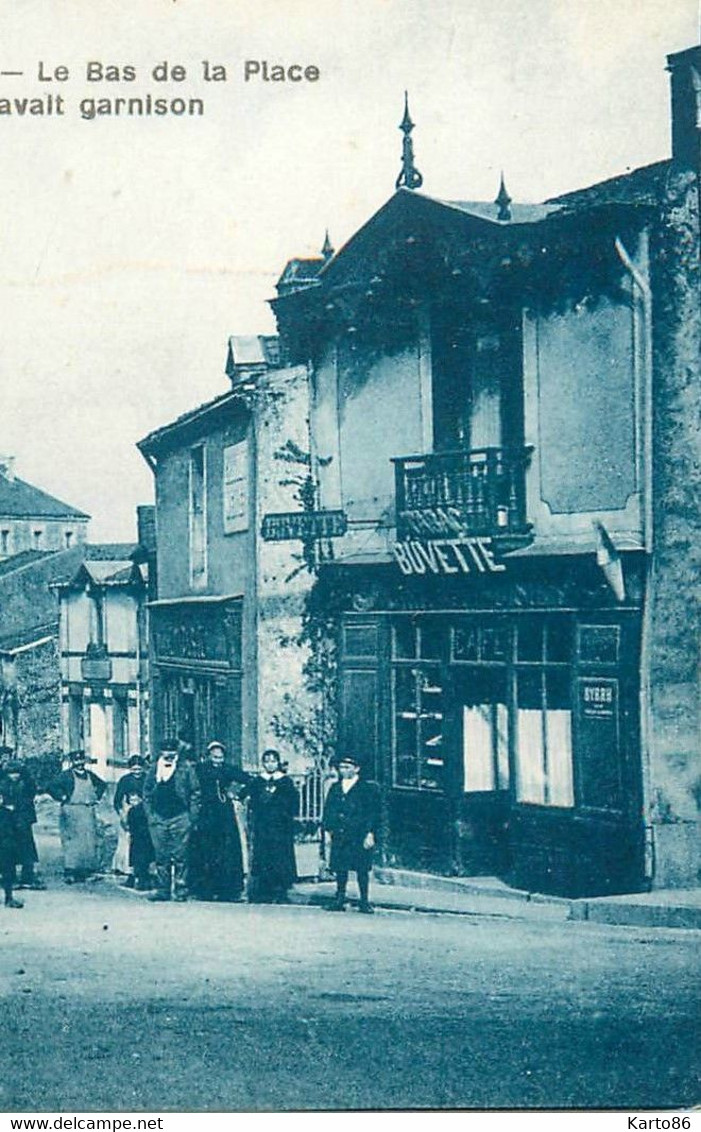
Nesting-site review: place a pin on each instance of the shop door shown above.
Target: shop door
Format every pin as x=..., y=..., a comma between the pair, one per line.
x=480, y=716
x=609, y=822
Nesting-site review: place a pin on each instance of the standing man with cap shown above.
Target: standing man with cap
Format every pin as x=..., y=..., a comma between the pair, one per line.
x=78, y=790
x=172, y=802
x=18, y=790
x=351, y=817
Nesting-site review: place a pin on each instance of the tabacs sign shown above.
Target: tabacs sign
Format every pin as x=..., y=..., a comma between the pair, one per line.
x=284, y=526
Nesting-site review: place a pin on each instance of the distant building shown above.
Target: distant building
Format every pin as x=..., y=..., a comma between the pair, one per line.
x=32, y=720
x=226, y=661
x=32, y=520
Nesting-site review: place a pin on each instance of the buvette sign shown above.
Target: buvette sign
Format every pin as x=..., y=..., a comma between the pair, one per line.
x=469, y=555
x=284, y=526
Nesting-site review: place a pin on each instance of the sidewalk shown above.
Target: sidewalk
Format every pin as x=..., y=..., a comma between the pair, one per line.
x=403, y=890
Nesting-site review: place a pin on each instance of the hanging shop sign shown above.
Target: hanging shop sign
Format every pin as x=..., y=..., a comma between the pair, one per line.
x=469, y=555
x=304, y=525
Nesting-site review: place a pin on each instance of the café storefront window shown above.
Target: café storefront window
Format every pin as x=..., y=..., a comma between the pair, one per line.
x=480, y=652
x=504, y=687
x=418, y=695
x=543, y=741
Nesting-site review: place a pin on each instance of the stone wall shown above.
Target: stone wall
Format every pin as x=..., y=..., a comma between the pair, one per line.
x=287, y=713
x=672, y=621
x=29, y=642
x=38, y=684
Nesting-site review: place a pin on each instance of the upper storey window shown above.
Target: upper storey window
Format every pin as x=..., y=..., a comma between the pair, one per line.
x=198, y=516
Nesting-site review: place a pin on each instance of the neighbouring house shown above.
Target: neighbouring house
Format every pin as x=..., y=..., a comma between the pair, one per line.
x=504, y=409
x=226, y=660
x=103, y=640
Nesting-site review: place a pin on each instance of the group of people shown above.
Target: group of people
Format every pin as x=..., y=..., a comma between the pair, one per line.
x=180, y=833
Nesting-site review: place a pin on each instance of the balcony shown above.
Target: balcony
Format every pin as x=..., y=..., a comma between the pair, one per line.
x=452, y=494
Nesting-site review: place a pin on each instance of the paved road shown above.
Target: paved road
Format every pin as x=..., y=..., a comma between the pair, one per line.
x=110, y=1003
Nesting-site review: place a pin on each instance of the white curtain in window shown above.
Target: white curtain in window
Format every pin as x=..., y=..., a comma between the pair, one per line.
x=559, y=732
x=477, y=747
x=530, y=755
x=502, y=726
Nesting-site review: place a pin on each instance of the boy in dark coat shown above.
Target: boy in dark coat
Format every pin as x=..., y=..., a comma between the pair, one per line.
x=141, y=851
x=351, y=817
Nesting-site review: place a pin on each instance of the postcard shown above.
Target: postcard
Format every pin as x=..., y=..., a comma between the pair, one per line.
x=349, y=527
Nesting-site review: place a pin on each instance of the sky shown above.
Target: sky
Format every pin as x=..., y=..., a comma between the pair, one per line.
x=132, y=248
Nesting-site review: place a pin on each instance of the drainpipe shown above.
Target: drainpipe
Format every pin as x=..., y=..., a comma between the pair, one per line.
x=646, y=295
x=643, y=287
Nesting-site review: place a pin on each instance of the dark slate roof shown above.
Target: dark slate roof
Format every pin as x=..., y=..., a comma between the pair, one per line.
x=17, y=561
x=21, y=500
x=488, y=210
x=104, y=572
x=299, y=273
x=640, y=186
x=109, y=551
x=154, y=439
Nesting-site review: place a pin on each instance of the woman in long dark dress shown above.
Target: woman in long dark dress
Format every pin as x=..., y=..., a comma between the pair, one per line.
x=272, y=807
x=216, y=861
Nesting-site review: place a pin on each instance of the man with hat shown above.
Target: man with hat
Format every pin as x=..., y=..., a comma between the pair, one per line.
x=18, y=790
x=351, y=817
x=172, y=802
x=8, y=849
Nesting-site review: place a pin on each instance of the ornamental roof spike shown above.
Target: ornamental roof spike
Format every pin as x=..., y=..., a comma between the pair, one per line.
x=503, y=201
x=409, y=176
x=327, y=249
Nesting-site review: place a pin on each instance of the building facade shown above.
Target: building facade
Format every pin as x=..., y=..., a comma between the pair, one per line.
x=103, y=641
x=226, y=661
x=504, y=406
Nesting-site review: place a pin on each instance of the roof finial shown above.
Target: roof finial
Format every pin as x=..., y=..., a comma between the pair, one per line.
x=328, y=249
x=409, y=176
x=503, y=201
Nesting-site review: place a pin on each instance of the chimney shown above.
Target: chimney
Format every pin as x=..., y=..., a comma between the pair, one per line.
x=146, y=527
x=685, y=72
x=7, y=467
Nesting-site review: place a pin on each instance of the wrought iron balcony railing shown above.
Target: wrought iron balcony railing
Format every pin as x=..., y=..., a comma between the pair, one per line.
x=481, y=491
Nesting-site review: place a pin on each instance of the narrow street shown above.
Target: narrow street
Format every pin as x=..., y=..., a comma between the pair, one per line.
x=111, y=1003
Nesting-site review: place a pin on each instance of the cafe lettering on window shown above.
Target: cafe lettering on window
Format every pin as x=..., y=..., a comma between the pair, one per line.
x=467, y=555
